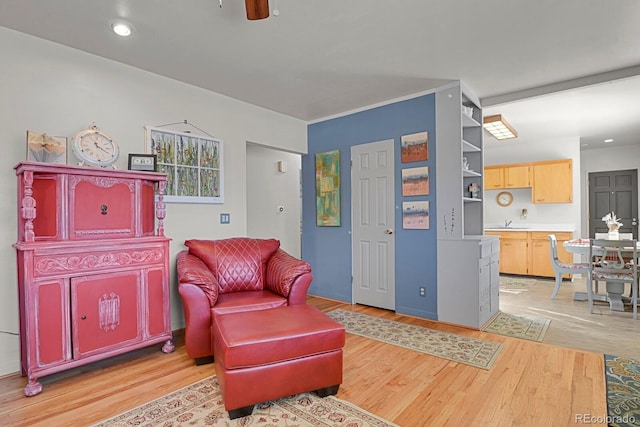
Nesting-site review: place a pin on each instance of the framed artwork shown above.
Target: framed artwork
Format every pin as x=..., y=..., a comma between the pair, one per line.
x=414, y=147
x=415, y=181
x=192, y=163
x=415, y=215
x=328, y=189
x=142, y=162
x=45, y=148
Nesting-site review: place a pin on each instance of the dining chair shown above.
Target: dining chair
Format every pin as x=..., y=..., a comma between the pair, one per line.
x=615, y=261
x=561, y=268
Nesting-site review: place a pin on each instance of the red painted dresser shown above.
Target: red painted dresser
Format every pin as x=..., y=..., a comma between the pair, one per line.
x=93, y=266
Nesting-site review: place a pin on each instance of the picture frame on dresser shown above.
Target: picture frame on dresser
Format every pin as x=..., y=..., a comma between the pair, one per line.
x=192, y=163
x=142, y=162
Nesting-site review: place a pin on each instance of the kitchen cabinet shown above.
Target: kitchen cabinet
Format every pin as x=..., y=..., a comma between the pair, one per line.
x=541, y=252
x=514, y=251
x=93, y=266
x=508, y=176
x=472, y=280
x=553, y=181
x=528, y=252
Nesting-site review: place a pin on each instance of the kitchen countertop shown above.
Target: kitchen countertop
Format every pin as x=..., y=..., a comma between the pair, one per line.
x=569, y=228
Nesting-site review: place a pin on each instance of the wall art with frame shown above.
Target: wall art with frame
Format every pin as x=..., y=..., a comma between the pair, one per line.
x=415, y=215
x=192, y=163
x=328, y=189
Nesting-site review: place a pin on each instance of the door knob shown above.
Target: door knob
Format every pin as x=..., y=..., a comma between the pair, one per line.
x=388, y=231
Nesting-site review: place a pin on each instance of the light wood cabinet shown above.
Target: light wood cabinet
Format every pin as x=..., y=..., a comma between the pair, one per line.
x=507, y=176
x=528, y=252
x=93, y=266
x=493, y=177
x=553, y=181
x=541, y=252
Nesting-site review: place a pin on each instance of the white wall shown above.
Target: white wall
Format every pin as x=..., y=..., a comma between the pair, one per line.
x=267, y=189
x=517, y=152
x=47, y=87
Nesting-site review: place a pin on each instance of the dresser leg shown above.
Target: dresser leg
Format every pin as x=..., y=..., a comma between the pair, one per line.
x=168, y=347
x=33, y=387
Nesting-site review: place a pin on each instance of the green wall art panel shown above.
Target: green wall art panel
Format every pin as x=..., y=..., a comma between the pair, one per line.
x=328, y=189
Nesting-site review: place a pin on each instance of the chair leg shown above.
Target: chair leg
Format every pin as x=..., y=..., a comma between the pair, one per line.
x=589, y=293
x=557, y=288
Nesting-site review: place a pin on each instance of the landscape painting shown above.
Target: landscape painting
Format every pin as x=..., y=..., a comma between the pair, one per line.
x=415, y=215
x=415, y=181
x=414, y=147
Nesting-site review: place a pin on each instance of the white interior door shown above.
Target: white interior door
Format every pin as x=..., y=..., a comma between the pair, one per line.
x=372, y=207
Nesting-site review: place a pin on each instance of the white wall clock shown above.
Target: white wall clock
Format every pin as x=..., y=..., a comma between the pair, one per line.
x=504, y=198
x=96, y=148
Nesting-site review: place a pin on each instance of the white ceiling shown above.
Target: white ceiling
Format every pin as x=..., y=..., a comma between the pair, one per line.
x=529, y=60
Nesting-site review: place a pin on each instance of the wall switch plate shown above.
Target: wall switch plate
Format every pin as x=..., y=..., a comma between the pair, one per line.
x=225, y=218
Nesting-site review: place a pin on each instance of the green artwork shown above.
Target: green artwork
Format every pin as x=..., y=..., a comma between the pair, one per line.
x=328, y=189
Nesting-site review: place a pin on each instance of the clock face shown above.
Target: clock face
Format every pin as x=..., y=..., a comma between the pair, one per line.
x=504, y=198
x=95, y=148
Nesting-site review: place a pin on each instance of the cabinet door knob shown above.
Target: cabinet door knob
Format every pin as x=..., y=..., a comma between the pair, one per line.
x=103, y=209
x=84, y=317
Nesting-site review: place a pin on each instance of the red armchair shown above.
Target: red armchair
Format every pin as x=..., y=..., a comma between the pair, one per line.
x=232, y=275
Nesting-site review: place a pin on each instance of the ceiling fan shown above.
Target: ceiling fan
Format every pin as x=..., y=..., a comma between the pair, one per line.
x=257, y=9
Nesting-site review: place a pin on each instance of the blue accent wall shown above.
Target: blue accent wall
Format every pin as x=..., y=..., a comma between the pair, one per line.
x=328, y=249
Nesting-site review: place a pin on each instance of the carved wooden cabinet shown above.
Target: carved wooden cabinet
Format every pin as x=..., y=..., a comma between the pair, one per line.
x=93, y=266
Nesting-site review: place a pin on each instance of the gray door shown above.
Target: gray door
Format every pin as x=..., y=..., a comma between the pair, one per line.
x=615, y=191
x=372, y=210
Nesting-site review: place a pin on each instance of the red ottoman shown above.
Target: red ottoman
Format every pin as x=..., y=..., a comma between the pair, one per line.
x=268, y=354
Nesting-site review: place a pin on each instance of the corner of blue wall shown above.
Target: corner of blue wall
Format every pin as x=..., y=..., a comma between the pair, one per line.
x=328, y=249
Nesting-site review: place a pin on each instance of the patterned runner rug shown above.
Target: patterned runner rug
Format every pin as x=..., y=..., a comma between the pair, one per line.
x=201, y=404
x=623, y=390
x=470, y=351
x=519, y=326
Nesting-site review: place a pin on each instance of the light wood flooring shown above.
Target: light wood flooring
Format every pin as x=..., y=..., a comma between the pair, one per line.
x=572, y=325
x=530, y=384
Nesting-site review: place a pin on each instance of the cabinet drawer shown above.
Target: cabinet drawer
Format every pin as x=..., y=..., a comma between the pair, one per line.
x=101, y=207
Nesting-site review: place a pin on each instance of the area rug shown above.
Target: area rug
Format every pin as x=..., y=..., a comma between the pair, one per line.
x=519, y=326
x=201, y=404
x=515, y=285
x=623, y=390
x=470, y=351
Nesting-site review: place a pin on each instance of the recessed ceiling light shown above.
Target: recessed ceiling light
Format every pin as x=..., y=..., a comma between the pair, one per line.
x=121, y=29
x=608, y=140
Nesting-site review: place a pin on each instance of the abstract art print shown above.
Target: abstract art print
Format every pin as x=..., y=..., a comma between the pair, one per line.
x=328, y=189
x=192, y=163
x=415, y=215
x=414, y=147
x=415, y=181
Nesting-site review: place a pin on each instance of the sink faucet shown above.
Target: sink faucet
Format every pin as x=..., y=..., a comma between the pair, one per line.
x=507, y=223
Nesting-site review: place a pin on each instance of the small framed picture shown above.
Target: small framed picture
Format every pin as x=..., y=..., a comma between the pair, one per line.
x=142, y=162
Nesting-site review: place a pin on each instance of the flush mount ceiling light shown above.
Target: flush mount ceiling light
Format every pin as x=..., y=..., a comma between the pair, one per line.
x=498, y=127
x=121, y=29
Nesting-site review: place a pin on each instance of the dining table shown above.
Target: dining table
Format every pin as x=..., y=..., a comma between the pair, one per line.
x=614, y=290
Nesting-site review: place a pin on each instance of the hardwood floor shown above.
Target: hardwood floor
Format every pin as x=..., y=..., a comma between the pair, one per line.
x=530, y=384
x=572, y=325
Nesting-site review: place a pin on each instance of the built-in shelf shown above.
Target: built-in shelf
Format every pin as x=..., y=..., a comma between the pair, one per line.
x=468, y=147
x=469, y=173
x=470, y=199
x=468, y=122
